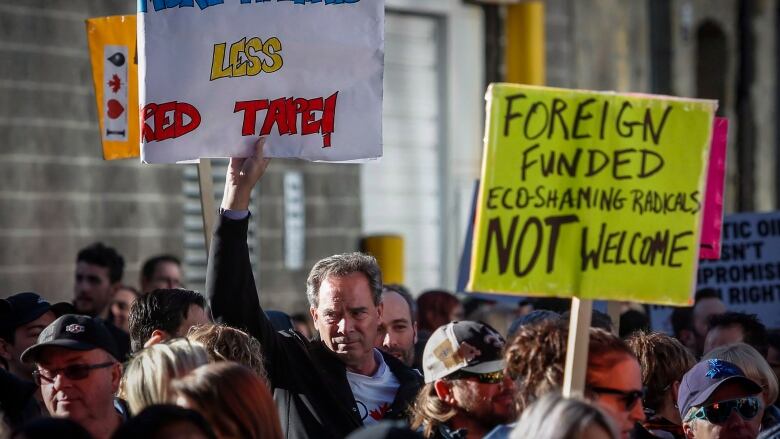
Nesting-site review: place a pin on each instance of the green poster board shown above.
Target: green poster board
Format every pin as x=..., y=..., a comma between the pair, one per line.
x=595, y=195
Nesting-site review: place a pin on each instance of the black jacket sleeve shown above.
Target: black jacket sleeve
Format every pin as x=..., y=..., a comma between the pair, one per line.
x=230, y=285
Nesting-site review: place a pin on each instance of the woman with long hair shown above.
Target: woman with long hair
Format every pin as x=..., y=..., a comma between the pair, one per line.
x=234, y=400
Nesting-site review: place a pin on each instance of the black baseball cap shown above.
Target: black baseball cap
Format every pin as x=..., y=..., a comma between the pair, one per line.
x=23, y=308
x=74, y=332
x=468, y=346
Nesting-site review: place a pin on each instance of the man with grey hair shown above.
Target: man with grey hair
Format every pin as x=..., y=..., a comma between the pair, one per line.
x=337, y=382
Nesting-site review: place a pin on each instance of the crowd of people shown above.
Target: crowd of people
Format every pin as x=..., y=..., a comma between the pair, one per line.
x=369, y=360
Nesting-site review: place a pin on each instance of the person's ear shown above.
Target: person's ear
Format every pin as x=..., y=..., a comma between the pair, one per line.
x=116, y=377
x=314, y=316
x=158, y=336
x=380, y=309
x=688, y=338
x=414, y=328
x=5, y=350
x=675, y=391
x=444, y=391
x=688, y=430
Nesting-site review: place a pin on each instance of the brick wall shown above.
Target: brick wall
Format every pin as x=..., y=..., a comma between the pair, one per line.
x=333, y=225
x=56, y=193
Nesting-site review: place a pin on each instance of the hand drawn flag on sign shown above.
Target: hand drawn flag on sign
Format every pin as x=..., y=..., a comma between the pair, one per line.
x=112, y=47
x=595, y=195
x=215, y=75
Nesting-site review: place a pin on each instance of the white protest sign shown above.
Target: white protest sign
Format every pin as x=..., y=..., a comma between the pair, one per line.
x=216, y=74
x=747, y=275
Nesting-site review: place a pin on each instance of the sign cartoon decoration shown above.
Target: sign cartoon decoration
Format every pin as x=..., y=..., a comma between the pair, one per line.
x=112, y=48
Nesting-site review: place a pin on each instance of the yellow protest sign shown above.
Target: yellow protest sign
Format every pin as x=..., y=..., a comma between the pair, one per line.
x=594, y=195
x=112, y=51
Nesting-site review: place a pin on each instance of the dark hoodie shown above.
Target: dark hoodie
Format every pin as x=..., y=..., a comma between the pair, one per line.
x=17, y=400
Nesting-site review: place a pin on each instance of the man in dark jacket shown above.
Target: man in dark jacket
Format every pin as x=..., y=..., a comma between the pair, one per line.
x=99, y=270
x=337, y=382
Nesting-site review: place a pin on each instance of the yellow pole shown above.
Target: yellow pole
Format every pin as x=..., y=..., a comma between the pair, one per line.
x=389, y=253
x=524, y=56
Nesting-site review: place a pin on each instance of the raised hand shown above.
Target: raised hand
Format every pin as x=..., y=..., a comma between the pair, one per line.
x=242, y=175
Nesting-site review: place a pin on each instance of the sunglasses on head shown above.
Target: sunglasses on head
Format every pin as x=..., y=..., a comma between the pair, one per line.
x=484, y=378
x=719, y=412
x=629, y=397
x=72, y=372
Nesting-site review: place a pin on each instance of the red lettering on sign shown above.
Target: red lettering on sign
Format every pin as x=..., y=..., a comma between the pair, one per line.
x=167, y=120
x=284, y=114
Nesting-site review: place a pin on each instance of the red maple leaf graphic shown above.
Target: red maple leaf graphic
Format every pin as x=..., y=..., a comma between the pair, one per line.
x=380, y=412
x=115, y=83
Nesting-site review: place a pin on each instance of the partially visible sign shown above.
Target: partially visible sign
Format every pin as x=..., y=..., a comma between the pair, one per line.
x=747, y=276
x=713, y=202
x=112, y=49
x=591, y=194
x=216, y=75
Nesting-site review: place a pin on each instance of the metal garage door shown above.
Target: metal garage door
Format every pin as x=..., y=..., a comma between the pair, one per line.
x=402, y=193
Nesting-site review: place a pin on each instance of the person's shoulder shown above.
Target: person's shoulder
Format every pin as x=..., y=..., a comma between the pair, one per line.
x=772, y=433
x=501, y=431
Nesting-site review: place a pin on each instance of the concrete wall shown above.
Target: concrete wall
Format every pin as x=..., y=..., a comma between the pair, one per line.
x=598, y=44
x=604, y=44
x=764, y=94
x=56, y=192
x=333, y=226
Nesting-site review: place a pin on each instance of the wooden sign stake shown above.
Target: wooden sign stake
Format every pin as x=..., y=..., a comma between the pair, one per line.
x=577, y=348
x=207, y=204
x=613, y=310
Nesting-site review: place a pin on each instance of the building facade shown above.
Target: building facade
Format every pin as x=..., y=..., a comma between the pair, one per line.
x=58, y=194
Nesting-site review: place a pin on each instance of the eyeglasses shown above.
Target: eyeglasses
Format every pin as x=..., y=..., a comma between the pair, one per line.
x=629, y=397
x=72, y=372
x=484, y=378
x=719, y=412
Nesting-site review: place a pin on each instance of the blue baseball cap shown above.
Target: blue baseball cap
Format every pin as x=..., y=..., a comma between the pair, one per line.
x=699, y=383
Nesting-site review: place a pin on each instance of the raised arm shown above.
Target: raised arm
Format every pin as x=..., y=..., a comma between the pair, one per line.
x=230, y=283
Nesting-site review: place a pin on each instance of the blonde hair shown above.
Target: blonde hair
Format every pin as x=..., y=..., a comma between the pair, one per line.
x=224, y=343
x=429, y=411
x=753, y=365
x=149, y=373
x=555, y=417
x=234, y=400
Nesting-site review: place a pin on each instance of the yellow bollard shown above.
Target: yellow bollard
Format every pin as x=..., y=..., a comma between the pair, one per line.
x=525, y=57
x=389, y=253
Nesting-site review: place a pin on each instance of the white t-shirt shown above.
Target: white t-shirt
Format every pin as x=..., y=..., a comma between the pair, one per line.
x=374, y=394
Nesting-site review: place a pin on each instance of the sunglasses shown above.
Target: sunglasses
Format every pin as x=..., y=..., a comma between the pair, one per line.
x=484, y=378
x=72, y=372
x=629, y=397
x=719, y=412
